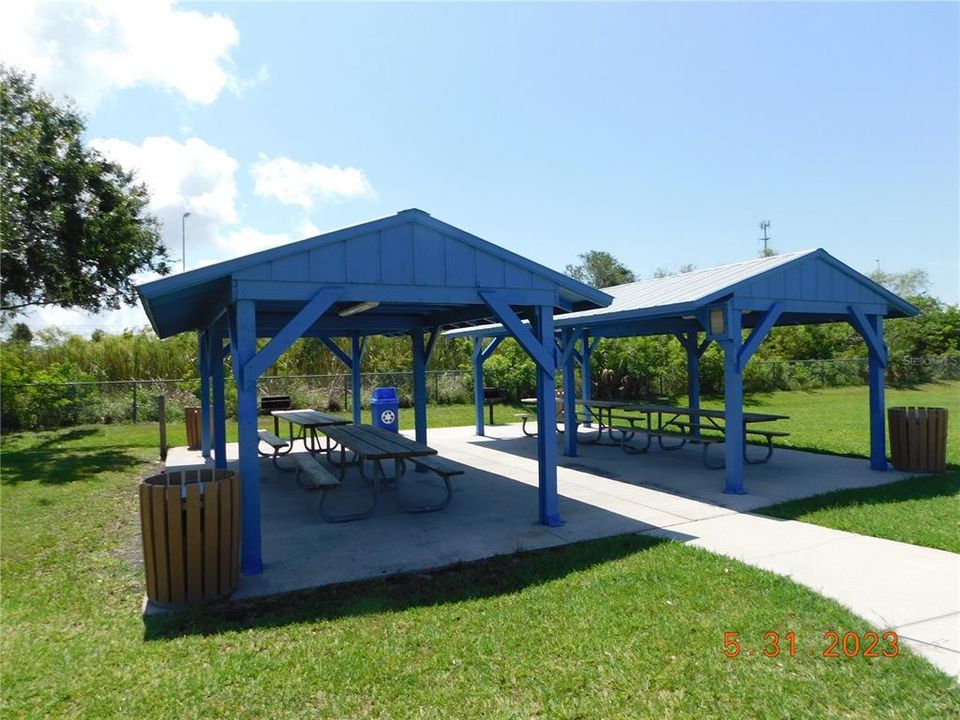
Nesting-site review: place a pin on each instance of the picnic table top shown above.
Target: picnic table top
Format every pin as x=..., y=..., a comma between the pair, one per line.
x=748, y=417
x=373, y=443
x=631, y=406
x=309, y=418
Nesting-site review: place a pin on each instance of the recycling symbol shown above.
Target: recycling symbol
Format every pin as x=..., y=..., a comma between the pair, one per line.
x=388, y=417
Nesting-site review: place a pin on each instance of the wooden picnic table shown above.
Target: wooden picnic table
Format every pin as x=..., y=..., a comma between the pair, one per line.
x=686, y=425
x=308, y=421
x=373, y=444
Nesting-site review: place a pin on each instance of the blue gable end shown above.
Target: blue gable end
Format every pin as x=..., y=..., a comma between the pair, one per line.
x=415, y=266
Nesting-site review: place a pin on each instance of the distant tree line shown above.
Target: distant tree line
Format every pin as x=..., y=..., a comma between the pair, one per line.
x=922, y=348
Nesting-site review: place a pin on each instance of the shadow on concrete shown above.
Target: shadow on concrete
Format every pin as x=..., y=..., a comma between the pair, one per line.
x=501, y=575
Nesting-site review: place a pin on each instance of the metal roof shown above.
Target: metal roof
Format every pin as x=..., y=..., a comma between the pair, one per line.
x=686, y=287
x=815, y=286
x=414, y=271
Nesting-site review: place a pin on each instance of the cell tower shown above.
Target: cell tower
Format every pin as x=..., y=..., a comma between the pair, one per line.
x=764, y=226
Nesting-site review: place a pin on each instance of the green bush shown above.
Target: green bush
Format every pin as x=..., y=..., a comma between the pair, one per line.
x=32, y=398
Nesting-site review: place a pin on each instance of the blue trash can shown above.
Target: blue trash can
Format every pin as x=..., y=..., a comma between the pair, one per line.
x=385, y=408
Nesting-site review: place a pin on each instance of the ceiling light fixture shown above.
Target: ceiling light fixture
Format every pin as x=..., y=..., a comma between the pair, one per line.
x=359, y=308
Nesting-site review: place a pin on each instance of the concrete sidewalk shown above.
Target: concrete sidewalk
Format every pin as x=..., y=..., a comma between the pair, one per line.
x=911, y=589
x=605, y=492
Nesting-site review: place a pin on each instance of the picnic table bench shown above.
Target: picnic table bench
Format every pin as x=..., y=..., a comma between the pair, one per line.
x=376, y=445
x=687, y=425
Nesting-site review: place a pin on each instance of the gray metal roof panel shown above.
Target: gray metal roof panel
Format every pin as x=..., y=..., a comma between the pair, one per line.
x=681, y=289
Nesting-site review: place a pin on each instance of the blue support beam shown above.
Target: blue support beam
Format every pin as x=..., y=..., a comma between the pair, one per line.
x=877, y=371
x=203, y=342
x=568, y=364
x=358, y=346
x=690, y=344
x=478, y=400
x=587, y=345
x=431, y=344
x=298, y=324
x=870, y=328
x=549, y=503
x=216, y=355
x=244, y=340
x=335, y=349
x=733, y=402
x=542, y=352
x=479, y=357
x=419, y=386
x=759, y=334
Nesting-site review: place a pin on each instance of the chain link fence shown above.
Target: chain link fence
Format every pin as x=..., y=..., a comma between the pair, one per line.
x=37, y=405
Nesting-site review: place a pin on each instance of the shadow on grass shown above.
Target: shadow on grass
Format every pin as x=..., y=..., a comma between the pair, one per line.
x=59, y=457
x=922, y=487
x=500, y=575
x=62, y=468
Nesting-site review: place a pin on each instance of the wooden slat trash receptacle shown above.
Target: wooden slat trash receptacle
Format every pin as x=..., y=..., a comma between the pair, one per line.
x=192, y=416
x=190, y=522
x=918, y=438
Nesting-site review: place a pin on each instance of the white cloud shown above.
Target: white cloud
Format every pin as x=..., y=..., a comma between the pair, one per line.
x=91, y=48
x=84, y=323
x=303, y=184
x=307, y=229
x=246, y=240
x=190, y=175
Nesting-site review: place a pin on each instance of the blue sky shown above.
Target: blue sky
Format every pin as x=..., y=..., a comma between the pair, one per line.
x=662, y=133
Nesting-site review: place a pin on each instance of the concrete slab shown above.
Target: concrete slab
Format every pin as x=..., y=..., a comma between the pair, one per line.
x=606, y=492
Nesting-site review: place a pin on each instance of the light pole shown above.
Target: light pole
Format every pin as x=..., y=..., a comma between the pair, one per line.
x=183, y=233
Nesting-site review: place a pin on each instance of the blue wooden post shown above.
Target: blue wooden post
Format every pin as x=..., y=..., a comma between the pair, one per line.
x=419, y=386
x=693, y=377
x=245, y=344
x=215, y=354
x=356, y=389
x=204, y=356
x=547, y=424
x=569, y=399
x=478, y=404
x=586, y=374
x=878, y=362
x=733, y=401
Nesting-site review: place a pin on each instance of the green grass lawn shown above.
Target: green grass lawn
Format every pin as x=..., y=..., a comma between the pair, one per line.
x=625, y=627
x=921, y=511
x=924, y=510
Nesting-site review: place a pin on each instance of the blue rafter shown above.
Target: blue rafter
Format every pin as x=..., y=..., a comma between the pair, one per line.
x=541, y=353
x=335, y=349
x=298, y=324
x=757, y=335
x=863, y=326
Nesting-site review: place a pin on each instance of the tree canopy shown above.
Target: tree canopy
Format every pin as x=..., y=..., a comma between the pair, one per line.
x=909, y=283
x=75, y=226
x=600, y=269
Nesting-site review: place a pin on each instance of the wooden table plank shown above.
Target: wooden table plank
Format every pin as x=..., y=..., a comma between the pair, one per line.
x=309, y=418
x=375, y=443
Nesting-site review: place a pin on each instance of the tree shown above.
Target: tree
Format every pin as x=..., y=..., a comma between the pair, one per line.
x=75, y=226
x=21, y=333
x=600, y=269
x=908, y=283
x=662, y=272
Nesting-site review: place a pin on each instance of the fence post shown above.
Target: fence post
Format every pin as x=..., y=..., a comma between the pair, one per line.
x=162, y=419
x=134, y=401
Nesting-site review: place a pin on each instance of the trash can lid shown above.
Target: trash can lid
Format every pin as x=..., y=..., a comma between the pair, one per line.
x=384, y=393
